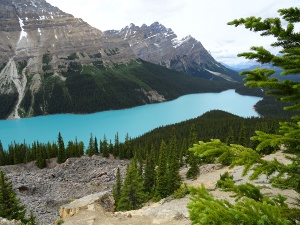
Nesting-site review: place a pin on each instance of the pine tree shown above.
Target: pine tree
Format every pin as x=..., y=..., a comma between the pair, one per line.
x=132, y=193
x=2, y=155
x=41, y=161
x=230, y=138
x=174, y=178
x=10, y=206
x=242, y=136
x=61, y=157
x=206, y=210
x=96, y=146
x=162, y=179
x=150, y=173
x=128, y=149
x=104, y=147
x=116, y=146
x=91, y=148
x=110, y=147
x=194, y=170
x=117, y=188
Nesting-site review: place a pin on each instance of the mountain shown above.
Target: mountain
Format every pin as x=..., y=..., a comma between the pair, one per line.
x=160, y=45
x=277, y=70
x=52, y=62
x=242, y=65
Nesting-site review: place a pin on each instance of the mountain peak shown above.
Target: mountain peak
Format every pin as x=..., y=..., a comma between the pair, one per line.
x=160, y=45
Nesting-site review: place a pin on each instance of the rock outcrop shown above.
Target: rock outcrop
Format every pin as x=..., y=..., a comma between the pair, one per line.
x=160, y=45
x=105, y=199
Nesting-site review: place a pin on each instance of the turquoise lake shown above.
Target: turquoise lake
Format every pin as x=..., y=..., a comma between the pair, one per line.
x=134, y=121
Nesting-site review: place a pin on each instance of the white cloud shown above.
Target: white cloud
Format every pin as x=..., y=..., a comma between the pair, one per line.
x=206, y=20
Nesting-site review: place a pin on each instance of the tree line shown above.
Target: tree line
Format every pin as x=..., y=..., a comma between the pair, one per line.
x=214, y=124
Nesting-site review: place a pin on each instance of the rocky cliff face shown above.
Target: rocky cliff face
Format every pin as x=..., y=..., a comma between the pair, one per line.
x=38, y=40
x=160, y=45
x=31, y=28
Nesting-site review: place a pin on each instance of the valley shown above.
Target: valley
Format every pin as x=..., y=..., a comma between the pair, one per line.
x=56, y=63
x=139, y=126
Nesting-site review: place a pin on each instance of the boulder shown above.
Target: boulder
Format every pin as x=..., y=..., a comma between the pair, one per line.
x=105, y=199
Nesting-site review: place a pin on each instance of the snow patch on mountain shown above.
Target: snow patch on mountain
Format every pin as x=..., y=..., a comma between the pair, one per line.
x=23, y=32
x=177, y=43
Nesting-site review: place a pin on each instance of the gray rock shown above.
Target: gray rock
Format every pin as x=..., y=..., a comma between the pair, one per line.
x=160, y=45
x=77, y=177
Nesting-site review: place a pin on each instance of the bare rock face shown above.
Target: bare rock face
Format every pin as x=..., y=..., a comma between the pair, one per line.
x=39, y=40
x=33, y=28
x=160, y=45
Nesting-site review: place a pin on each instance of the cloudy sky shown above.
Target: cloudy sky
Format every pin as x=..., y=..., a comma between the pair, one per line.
x=205, y=20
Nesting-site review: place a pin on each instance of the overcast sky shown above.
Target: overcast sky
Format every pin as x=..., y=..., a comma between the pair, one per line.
x=205, y=20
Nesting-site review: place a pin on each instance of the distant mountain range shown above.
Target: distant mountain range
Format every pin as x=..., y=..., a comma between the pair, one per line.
x=52, y=62
x=160, y=45
x=252, y=65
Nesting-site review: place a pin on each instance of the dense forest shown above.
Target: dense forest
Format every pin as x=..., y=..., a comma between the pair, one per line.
x=214, y=124
x=157, y=155
x=80, y=88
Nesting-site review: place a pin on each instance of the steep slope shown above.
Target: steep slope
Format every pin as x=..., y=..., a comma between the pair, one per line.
x=39, y=41
x=51, y=62
x=159, y=45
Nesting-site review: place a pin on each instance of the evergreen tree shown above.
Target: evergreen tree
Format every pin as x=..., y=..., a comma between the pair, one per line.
x=70, y=150
x=41, y=161
x=10, y=206
x=173, y=165
x=194, y=170
x=2, y=155
x=242, y=136
x=127, y=149
x=96, y=146
x=104, y=147
x=230, y=138
x=110, y=147
x=162, y=179
x=61, y=157
x=132, y=193
x=150, y=173
x=116, y=146
x=91, y=148
x=117, y=188
x=203, y=208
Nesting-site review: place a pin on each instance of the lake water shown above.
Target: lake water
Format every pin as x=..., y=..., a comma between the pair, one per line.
x=134, y=121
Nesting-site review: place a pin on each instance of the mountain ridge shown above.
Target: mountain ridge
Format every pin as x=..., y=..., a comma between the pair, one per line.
x=52, y=62
x=160, y=45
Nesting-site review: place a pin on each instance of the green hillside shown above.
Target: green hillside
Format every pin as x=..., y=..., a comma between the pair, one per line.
x=93, y=87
